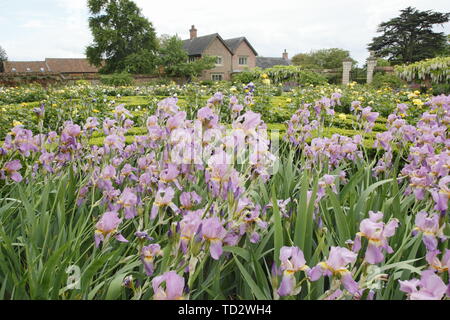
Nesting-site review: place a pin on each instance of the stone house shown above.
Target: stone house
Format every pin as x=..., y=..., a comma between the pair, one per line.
x=233, y=55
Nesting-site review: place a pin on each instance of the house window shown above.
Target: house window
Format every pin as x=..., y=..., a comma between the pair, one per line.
x=219, y=61
x=243, y=61
x=216, y=77
x=192, y=59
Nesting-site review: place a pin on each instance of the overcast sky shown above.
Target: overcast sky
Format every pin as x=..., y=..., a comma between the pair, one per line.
x=36, y=29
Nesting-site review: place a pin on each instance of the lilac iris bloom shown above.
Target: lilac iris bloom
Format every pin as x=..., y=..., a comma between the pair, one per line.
x=107, y=227
x=189, y=227
x=173, y=289
x=11, y=170
x=114, y=142
x=429, y=287
x=163, y=198
x=189, y=199
x=429, y=226
x=292, y=261
x=128, y=200
x=437, y=265
x=148, y=254
x=337, y=265
x=377, y=233
x=442, y=195
x=214, y=233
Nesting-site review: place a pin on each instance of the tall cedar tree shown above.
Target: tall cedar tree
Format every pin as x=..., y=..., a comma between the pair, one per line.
x=120, y=33
x=410, y=37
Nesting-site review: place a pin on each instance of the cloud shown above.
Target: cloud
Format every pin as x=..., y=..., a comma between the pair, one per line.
x=60, y=27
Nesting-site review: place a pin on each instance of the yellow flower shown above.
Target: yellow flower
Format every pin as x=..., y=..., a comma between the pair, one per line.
x=418, y=102
x=417, y=92
x=288, y=100
x=95, y=111
x=266, y=81
x=17, y=123
x=342, y=116
x=264, y=76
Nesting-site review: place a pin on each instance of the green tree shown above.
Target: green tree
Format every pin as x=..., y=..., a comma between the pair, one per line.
x=3, y=57
x=175, y=60
x=124, y=40
x=322, y=59
x=410, y=37
x=305, y=60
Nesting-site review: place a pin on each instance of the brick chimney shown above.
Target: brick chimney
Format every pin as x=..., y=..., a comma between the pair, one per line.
x=285, y=55
x=193, y=32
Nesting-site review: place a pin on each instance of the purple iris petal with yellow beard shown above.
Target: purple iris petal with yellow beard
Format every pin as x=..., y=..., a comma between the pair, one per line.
x=377, y=233
x=292, y=261
x=148, y=254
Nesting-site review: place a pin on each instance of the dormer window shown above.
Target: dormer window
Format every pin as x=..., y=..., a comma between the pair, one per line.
x=219, y=61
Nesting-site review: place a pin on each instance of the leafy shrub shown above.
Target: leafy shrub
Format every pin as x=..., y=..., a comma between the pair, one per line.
x=282, y=74
x=442, y=88
x=117, y=79
x=381, y=80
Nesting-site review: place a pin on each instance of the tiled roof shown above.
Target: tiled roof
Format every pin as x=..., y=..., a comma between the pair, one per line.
x=234, y=43
x=267, y=62
x=198, y=45
x=25, y=66
x=70, y=66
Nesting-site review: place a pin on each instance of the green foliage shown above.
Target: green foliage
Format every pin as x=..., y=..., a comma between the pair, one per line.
x=117, y=79
x=410, y=36
x=442, y=88
x=322, y=59
x=174, y=59
x=381, y=80
x=121, y=35
x=282, y=74
x=3, y=56
x=437, y=70
x=142, y=62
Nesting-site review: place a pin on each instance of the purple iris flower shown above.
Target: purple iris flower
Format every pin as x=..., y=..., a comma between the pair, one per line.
x=189, y=228
x=337, y=266
x=107, y=227
x=189, y=199
x=164, y=197
x=174, y=286
x=148, y=254
x=214, y=233
x=377, y=233
x=429, y=287
x=11, y=170
x=437, y=265
x=128, y=201
x=292, y=261
x=431, y=231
